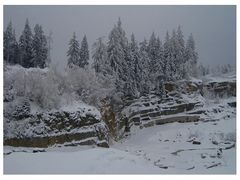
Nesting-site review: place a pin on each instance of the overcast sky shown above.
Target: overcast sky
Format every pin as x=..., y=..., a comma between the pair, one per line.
x=213, y=27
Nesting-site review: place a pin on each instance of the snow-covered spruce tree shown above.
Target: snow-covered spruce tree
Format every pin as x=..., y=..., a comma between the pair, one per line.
x=10, y=46
x=130, y=87
x=144, y=64
x=153, y=55
x=84, y=53
x=117, y=55
x=115, y=51
x=160, y=56
x=167, y=57
x=99, y=55
x=174, y=65
x=191, y=56
x=73, y=52
x=49, y=47
x=26, y=47
x=180, y=57
x=16, y=50
x=135, y=64
x=159, y=77
x=39, y=47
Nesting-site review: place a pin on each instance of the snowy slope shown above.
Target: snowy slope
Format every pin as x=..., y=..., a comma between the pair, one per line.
x=167, y=147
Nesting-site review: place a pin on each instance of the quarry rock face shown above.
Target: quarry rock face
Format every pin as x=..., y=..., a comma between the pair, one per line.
x=60, y=127
x=222, y=88
x=182, y=103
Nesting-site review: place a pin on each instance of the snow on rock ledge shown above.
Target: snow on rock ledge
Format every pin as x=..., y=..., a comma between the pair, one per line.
x=59, y=127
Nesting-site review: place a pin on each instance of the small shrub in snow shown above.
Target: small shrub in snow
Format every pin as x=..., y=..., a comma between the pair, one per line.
x=22, y=110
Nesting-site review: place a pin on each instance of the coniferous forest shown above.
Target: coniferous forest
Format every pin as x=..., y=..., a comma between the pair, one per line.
x=120, y=105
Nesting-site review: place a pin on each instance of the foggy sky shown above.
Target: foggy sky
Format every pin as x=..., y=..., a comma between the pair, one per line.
x=213, y=27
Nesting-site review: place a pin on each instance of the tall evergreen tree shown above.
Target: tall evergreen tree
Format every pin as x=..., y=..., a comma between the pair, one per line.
x=167, y=57
x=114, y=50
x=174, y=63
x=73, y=52
x=153, y=54
x=84, y=53
x=16, y=51
x=10, y=45
x=99, y=55
x=39, y=47
x=26, y=47
x=135, y=63
x=144, y=64
x=49, y=47
x=191, y=55
x=180, y=57
x=160, y=58
x=118, y=55
x=180, y=39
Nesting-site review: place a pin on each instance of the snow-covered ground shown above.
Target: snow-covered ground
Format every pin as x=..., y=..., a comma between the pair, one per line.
x=163, y=149
x=170, y=147
x=91, y=161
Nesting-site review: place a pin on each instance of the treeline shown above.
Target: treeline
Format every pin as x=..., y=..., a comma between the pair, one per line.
x=138, y=68
x=31, y=50
x=216, y=70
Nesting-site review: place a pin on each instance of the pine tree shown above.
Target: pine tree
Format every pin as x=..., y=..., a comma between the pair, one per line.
x=130, y=87
x=49, y=47
x=39, y=47
x=159, y=77
x=114, y=50
x=84, y=53
x=160, y=58
x=10, y=45
x=100, y=63
x=16, y=51
x=118, y=55
x=191, y=55
x=144, y=64
x=73, y=52
x=167, y=57
x=174, y=57
x=26, y=47
x=153, y=54
x=182, y=70
x=135, y=63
